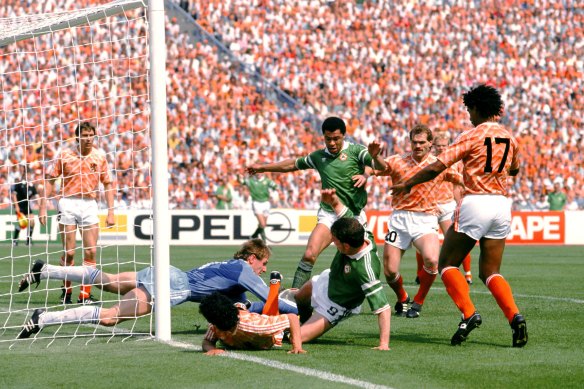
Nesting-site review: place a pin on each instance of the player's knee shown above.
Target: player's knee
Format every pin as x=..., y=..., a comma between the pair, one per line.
x=69, y=256
x=108, y=321
x=389, y=274
x=109, y=317
x=310, y=256
x=483, y=276
x=89, y=253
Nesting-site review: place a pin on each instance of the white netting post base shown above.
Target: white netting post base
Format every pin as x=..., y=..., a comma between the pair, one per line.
x=57, y=70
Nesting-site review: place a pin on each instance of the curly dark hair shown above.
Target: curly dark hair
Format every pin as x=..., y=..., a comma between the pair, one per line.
x=485, y=99
x=256, y=247
x=219, y=310
x=349, y=230
x=334, y=123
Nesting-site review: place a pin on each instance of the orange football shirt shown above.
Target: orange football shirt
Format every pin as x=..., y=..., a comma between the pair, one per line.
x=254, y=331
x=487, y=152
x=423, y=197
x=81, y=174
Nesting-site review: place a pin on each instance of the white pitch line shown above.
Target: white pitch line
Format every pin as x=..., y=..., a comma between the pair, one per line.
x=336, y=378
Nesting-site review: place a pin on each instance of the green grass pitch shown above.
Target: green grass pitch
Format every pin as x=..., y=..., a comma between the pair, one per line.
x=546, y=281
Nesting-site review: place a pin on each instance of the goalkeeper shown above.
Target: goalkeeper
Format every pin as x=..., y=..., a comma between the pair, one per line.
x=232, y=278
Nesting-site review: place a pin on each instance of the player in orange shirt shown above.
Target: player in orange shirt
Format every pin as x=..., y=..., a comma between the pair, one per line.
x=489, y=154
x=237, y=328
x=413, y=220
x=82, y=170
x=447, y=197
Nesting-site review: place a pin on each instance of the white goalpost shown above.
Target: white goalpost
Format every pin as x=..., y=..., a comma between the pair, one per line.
x=104, y=65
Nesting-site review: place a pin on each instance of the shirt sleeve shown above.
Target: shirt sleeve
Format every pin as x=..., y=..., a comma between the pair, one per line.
x=372, y=286
x=364, y=157
x=456, y=151
x=306, y=162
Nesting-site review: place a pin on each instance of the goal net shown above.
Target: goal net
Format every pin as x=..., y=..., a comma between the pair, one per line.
x=59, y=69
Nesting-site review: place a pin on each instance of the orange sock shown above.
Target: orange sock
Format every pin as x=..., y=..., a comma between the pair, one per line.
x=85, y=291
x=501, y=291
x=66, y=284
x=419, y=262
x=458, y=290
x=427, y=278
x=466, y=264
x=271, y=306
x=397, y=284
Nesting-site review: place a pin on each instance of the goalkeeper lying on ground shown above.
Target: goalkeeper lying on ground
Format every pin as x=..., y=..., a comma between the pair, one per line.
x=232, y=278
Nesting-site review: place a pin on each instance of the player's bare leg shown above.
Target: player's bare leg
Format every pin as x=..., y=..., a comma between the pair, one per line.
x=68, y=239
x=429, y=247
x=391, y=263
x=134, y=304
x=319, y=239
x=314, y=327
x=89, y=235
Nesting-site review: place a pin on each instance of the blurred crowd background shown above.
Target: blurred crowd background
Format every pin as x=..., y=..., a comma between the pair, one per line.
x=251, y=80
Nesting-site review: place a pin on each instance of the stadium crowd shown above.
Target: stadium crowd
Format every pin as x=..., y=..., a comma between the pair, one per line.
x=380, y=65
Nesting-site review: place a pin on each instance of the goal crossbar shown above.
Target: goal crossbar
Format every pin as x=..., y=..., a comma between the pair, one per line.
x=13, y=30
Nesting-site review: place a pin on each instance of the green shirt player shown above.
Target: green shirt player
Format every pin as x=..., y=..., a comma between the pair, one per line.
x=353, y=277
x=341, y=166
x=557, y=198
x=259, y=189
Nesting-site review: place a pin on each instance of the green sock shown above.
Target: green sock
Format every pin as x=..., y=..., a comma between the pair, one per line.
x=302, y=275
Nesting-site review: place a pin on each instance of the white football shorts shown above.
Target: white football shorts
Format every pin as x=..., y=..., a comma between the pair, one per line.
x=261, y=208
x=321, y=303
x=179, y=284
x=77, y=212
x=484, y=216
x=404, y=227
x=446, y=211
x=328, y=218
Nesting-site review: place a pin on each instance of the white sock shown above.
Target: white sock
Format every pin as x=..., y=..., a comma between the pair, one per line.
x=81, y=274
x=79, y=315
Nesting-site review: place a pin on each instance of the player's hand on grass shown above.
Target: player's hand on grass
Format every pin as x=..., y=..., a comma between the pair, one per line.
x=297, y=351
x=217, y=351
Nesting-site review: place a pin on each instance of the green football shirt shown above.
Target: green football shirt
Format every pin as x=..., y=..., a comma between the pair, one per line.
x=557, y=201
x=336, y=172
x=259, y=187
x=355, y=278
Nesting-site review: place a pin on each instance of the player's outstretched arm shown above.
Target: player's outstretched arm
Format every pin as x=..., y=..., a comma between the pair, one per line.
x=375, y=149
x=426, y=174
x=295, y=335
x=288, y=165
x=384, y=320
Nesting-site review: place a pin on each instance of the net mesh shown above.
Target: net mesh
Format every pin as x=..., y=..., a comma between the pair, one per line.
x=57, y=70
